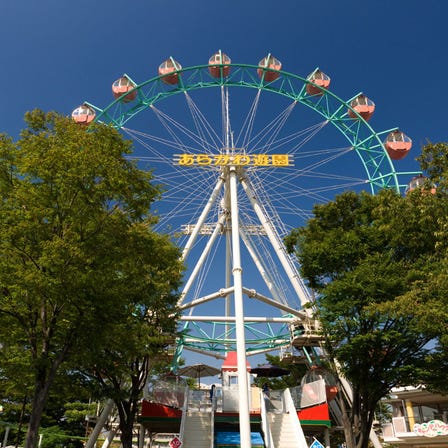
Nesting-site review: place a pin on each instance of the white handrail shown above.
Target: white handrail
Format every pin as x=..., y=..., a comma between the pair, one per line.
x=268, y=442
x=184, y=413
x=212, y=422
x=291, y=410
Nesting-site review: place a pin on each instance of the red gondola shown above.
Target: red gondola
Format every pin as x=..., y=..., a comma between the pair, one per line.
x=266, y=67
x=397, y=145
x=168, y=69
x=83, y=114
x=419, y=182
x=217, y=65
x=121, y=87
x=363, y=106
x=320, y=79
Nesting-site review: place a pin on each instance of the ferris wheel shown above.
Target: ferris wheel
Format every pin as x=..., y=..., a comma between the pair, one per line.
x=244, y=152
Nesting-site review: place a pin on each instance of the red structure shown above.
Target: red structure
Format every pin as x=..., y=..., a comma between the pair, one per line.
x=266, y=67
x=162, y=413
x=397, y=145
x=218, y=65
x=168, y=70
x=315, y=415
x=121, y=87
x=320, y=79
x=230, y=364
x=363, y=106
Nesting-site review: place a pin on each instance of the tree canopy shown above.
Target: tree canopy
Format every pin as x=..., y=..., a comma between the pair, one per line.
x=79, y=258
x=371, y=260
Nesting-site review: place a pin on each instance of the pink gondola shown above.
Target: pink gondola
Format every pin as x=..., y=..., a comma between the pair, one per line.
x=363, y=106
x=83, y=114
x=317, y=373
x=419, y=182
x=218, y=65
x=266, y=67
x=397, y=145
x=168, y=71
x=320, y=79
x=121, y=87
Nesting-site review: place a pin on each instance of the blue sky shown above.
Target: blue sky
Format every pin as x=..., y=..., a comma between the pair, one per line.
x=58, y=53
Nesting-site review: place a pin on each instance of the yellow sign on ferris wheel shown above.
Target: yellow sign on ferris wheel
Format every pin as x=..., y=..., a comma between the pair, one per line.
x=276, y=160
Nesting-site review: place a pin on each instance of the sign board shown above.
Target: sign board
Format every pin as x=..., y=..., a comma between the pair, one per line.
x=275, y=160
x=176, y=443
x=433, y=428
x=316, y=444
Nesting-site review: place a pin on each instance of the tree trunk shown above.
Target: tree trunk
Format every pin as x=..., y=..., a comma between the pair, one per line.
x=37, y=408
x=127, y=412
x=43, y=381
x=126, y=436
x=356, y=422
x=128, y=409
x=347, y=424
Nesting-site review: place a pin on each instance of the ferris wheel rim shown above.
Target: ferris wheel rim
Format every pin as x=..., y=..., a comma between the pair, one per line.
x=376, y=161
x=379, y=176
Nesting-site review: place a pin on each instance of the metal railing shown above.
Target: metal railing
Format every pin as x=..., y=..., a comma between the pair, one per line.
x=269, y=443
x=309, y=394
x=168, y=394
x=184, y=414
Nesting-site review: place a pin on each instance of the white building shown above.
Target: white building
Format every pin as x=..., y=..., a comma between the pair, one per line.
x=419, y=418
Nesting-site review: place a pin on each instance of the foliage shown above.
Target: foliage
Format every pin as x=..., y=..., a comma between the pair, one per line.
x=434, y=160
x=78, y=256
x=54, y=437
x=368, y=257
x=119, y=369
x=77, y=411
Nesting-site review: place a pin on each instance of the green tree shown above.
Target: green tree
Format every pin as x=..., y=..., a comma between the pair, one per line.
x=366, y=256
x=16, y=392
x=120, y=368
x=434, y=161
x=73, y=211
x=55, y=437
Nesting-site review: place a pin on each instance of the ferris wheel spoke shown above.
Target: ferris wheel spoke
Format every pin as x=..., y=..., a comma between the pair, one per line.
x=265, y=136
x=287, y=192
x=182, y=192
x=302, y=137
x=310, y=169
x=172, y=125
x=204, y=129
x=143, y=140
x=141, y=137
x=247, y=126
x=273, y=131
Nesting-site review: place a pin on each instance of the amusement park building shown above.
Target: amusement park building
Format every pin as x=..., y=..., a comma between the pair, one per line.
x=419, y=418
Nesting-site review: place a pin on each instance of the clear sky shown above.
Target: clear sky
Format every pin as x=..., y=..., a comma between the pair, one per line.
x=55, y=54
